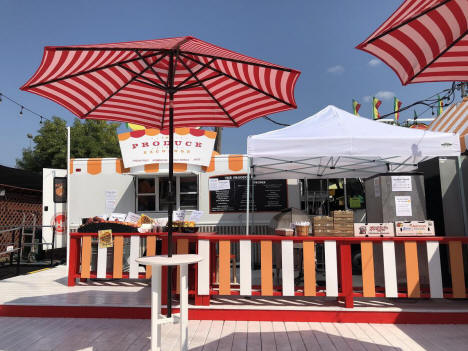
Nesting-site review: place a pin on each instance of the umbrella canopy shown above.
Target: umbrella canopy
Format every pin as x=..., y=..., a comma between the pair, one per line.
x=334, y=143
x=133, y=82
x=424, y=41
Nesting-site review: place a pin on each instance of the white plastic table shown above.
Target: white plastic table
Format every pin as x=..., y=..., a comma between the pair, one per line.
x=156, y=262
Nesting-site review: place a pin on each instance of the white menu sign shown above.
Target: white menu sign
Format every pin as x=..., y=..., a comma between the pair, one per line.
x=403, y=206
x=401, y=183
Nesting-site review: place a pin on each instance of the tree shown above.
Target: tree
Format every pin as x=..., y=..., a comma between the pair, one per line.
x=88, y=139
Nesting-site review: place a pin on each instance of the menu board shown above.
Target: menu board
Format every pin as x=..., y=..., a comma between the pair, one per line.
x=229, y=194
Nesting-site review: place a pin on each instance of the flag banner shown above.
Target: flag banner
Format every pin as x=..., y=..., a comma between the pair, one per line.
x=148, y=146
x=396, y=108
x=375, y=108
x=440, y=105
x=415, y=115
x=356, y=107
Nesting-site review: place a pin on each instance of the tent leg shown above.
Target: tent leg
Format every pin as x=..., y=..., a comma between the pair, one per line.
x=68, y=196
x=248, y=198
x=345, y=195
x=463, y=198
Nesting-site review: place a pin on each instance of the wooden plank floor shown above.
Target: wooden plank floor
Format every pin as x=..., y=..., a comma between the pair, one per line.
x=34, y=334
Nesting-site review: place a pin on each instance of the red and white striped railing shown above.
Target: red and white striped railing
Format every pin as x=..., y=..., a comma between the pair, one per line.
x=217, y=251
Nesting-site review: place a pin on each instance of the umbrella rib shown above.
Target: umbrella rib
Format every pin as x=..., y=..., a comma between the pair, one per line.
x=151, y=67
x=149, y=81
x=90, y=71
x=192, y=75
x=242, y=82
x=111, y=95
x=197, y=84
x=440, y=54
x=241, y=61
x=405, y=22
x=164, y=110
x=210, y=94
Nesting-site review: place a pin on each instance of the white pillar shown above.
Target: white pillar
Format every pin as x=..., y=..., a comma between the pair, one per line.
x=68, y=196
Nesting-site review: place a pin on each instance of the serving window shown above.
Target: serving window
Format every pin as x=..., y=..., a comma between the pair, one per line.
x=152, y=193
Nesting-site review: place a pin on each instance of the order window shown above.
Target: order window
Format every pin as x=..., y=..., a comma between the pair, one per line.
x=152, y=193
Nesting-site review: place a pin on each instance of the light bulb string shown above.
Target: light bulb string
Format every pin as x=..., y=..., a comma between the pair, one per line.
x=24, y=108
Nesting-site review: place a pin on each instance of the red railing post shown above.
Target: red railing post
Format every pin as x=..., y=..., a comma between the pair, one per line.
x=73, y=260
x=346, y=274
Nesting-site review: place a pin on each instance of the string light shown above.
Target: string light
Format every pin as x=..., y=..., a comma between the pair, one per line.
x=24, y=108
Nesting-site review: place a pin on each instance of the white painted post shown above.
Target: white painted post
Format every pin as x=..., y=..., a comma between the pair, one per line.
x=101, y=262
x=134, y=254
x=204, y=267
x=155, y=308
x=435, y=273
x=390, y=275
x=331, y=268
x=183, y=307
x=287, y=267
x=245, y=252
x=68, y=196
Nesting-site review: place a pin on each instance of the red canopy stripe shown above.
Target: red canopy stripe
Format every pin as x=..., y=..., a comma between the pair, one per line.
x=424, y=41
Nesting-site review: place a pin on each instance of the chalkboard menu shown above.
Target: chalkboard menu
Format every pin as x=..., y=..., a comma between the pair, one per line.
x=229, y=194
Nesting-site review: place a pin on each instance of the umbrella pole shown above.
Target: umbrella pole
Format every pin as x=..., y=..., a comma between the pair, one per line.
x=170, y=207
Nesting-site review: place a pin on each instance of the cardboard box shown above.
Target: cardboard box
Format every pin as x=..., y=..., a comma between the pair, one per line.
x=322, y=220
x=342, y=233
x=374, y=229
x=342, y=214
x=323, y=232
x=414, y=228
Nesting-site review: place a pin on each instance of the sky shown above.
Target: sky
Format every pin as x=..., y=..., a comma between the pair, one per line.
x=317, y=38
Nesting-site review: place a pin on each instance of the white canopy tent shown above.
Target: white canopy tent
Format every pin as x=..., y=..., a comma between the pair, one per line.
x=336, y=144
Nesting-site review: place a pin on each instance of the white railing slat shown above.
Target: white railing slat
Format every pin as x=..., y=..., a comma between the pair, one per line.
x=101, y=262
x=390, y=274
x=204, y=267
x=245, y=259
x=331, y=268
x=287, y=267
x=134, y=254
x=435, y=273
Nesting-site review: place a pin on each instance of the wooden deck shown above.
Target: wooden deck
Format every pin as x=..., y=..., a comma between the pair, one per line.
x=45, y=293
x=18, y=334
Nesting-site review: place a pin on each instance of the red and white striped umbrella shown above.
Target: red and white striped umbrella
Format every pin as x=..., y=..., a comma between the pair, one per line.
x=134, y=82
x=424, y=41
x=164, y=83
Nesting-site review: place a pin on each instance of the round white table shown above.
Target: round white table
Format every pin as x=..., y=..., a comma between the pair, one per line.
x=156, y=262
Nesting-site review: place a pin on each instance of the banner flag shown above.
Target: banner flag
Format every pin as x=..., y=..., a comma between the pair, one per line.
x=440, y=105
x=396, y=107
x=375, y=107
x=356, y=107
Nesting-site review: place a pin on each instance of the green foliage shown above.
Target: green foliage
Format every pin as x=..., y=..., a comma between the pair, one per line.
x=90, y=138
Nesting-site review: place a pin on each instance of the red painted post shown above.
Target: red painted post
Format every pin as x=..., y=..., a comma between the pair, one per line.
x=346, y=274
x=73, y=260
